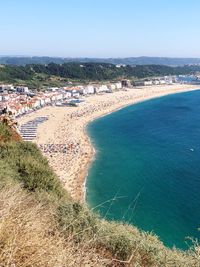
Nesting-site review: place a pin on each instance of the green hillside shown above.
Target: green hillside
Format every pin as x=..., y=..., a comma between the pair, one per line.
x=38, y=75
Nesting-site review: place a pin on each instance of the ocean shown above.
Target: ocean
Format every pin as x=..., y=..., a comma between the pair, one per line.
x=146, y=170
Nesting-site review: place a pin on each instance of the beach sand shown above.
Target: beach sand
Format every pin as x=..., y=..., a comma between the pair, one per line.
x=65, y=127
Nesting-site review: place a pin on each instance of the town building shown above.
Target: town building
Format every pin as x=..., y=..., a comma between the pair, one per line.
x=126, y=83
x=148, y=83
x=6, y=87
x=89, y=89
x=118, y=85
x=101, y=88
x=22, y=89
x=112, y=87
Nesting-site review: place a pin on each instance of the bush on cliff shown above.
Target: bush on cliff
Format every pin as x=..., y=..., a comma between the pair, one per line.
x=30, y=168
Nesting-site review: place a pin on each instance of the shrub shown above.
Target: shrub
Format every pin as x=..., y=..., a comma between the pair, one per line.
x=75, y=219
x=30, y=168
x=5, y=133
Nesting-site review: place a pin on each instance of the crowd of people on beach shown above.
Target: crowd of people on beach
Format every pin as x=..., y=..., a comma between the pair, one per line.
x=101, y=105
x=59, y=148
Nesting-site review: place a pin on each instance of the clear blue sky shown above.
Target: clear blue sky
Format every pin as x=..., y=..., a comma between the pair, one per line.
x=100, y=28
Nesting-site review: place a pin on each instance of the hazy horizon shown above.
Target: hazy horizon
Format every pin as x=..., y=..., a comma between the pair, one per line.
x=117, y=57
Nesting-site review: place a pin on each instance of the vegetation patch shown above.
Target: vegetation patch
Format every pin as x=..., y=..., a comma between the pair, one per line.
x=52, y=74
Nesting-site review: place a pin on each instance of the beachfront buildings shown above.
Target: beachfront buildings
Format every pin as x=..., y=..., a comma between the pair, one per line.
x=18, y=104
x=20, y=100
x=101, y=89
x=22, y=89
x=6, y=87
x=88, y=90
x=126, y=83
x=148, y=83
x=112, y=87
x=118, y=85
x=156, y=81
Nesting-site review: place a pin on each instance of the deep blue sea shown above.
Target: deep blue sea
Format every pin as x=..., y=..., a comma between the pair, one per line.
x=147, y=167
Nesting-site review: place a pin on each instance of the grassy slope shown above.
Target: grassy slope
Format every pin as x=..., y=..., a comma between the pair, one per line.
x=42, y=226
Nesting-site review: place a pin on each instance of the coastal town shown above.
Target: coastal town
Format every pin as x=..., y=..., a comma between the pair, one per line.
x=20, y=100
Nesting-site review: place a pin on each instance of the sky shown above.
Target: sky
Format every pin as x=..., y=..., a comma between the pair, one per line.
x=100, y=28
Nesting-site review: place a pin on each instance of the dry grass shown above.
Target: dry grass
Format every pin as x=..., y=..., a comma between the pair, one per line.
x=29, y=236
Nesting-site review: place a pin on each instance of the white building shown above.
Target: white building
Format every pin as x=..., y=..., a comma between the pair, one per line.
x=47, y=100
x=6, y=87
x=112, y=86
x=75, y=94
x=118, y=85
x=59, y=96
x=36, y=103
x=53, y=89
x=42, y=102
x=22, y=89
x=5, y=97
x=148, y=83
x=162, y=82
x=120, y=65
x=67, y=94
x=156, y=82
x=80, y=89
x=168, y=79
x=89, y=89
x=102, y=88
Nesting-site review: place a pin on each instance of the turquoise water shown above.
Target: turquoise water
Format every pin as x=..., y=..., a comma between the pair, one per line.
x=147, y=167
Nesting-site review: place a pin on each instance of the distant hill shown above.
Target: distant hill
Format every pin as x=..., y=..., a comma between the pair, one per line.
x=38, y=75
x=52, y=74
x=23, y=60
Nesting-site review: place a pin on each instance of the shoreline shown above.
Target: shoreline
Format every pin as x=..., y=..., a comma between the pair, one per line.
x=67, y=125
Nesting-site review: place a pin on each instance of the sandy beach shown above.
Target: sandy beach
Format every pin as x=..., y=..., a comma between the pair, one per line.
x=63, y=140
